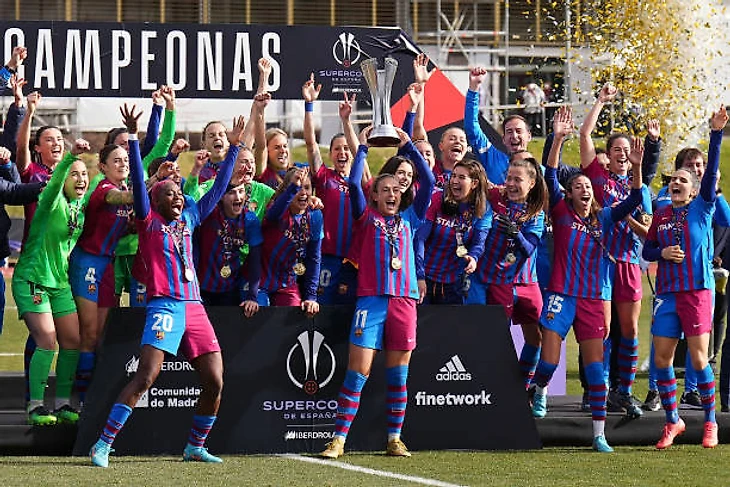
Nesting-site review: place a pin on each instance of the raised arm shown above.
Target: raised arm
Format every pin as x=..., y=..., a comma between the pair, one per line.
x=348, y=129
x=709, y=179
x=474, y=133
x=310, y=93
x=358, y=202
x=23, y=158
x=207, y=202
x=587, y=148
x=168, y=128
x=153, y=124
x=426, y=179
x=415, y=94
x=260, y=153
x=11, y=67
x=652, y=151
x=421, y=75
x=562, y=127
x=16, y=112
x=130, y=119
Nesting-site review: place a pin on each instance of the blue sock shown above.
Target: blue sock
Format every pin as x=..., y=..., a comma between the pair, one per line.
x=652, y=369
x=84, y=369
x=597, y=390
x=607, y=346
x=706, y=388
x=528, y=362
x=396, y=398
x=199, y=432
x=348, y=401
x=690, y=376
x=114, y=423
x=543, y=373
x=668, y=392
x=628, y=358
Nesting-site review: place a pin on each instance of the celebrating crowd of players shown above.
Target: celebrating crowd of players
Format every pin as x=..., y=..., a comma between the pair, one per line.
x=556, y=245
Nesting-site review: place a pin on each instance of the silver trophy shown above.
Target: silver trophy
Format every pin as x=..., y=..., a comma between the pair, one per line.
x=380, y=83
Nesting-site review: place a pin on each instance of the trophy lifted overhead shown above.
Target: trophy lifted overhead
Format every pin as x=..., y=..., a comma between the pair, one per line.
x=380, y=83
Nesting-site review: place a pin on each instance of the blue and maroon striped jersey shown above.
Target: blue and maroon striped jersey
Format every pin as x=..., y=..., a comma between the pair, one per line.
x=690, y=227
x=279, y=253
x=219, y=244
x=376, y=276
x=333, y=190
x=105, y=224
x=495, y=266
x=167, y=250
x=622, y=243
x=441, y=264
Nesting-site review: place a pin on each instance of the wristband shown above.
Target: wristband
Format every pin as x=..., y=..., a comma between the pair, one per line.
x=308, y=106
x=13, y=71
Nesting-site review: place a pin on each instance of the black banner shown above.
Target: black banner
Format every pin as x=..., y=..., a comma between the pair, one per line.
x=81, y=59
x=283, y=373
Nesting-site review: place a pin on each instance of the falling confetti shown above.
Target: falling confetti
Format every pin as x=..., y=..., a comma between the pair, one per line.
x=666, y=59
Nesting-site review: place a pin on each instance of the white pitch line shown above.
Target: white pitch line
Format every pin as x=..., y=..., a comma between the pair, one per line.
x=10, y=354
x=369, y=471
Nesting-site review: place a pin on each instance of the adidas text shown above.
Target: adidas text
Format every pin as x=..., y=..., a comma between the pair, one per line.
x=453, y=376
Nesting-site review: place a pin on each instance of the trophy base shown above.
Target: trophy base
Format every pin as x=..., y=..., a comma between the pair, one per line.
x=384, y=141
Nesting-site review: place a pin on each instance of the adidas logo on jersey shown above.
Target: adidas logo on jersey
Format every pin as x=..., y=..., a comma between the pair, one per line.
x=453, y=370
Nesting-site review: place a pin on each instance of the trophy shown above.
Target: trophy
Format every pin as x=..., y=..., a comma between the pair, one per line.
x=380, y=83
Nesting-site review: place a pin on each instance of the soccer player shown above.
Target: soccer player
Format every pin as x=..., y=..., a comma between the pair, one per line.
x=222, y=234
x=42, y=291
x=576, y=294
x=106, y=220
x=679, y=240
x=292, y=245
x=331, y=185
x=613, y=185
x=450, y=241
x=175, y=315
x=385, y=315
x=507, y=273
x=692, y=160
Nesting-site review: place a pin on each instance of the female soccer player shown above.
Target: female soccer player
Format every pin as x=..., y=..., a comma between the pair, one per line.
x=576, y=292
x=385, y=316
x=679, y=240
x=331, y=185
x=292, y=245
x=222, y=234
x=450, y=241
x=175, y=314
x=106, y=220
x=613, y=185
x=507, y=273
x=41, y=287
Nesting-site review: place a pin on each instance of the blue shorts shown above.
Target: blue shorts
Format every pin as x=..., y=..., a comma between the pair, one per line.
x=477, y=291
x=688, y=312
x=384, y=322
x=170, y=322
x=585, y=316
x=336, y=286
x=85, y=273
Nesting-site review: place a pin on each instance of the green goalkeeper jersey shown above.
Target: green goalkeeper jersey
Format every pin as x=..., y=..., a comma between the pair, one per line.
x=54, y=230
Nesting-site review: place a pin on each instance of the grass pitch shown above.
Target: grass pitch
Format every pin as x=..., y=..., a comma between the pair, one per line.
x=629, y=466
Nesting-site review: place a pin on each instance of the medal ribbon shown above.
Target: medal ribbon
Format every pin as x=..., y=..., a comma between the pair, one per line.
x=300, y=234
x=391, y=229
x=678, y=219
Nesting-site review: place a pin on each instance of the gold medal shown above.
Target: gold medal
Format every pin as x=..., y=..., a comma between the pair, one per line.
x=395, y=263
x=510, y=258
x=299, y=269
x=461, y=251
x=226, y=271
x=189, y=275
